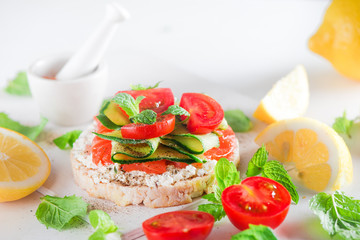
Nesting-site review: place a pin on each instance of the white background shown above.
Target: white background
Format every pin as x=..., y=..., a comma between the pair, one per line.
x=244, y=44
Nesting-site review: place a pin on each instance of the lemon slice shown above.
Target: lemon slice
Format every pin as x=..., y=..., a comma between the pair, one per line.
x=288, y=98
x=317, y=155
x=24, y=166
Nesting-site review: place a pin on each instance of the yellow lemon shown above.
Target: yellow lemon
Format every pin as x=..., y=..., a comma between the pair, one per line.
x=317, y=156
x=24, y=166
x=338, y=38
x=288, y=98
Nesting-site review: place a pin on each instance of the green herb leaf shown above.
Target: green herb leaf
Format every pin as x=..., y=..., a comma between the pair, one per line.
x=147, y=117
x=19, y=85
x=342, y=125
x=98, y=235
x=67, y=140
x=128, y=103
x=257, y=162
x=176, y=110
x=276, y=171
x=101, y=220
x=61, y=213
x=103, y=224
x=338, y=213
x=216, y=210
x=226, y=174
x=255, y=232
x=238, y=121
x=30, y=131
x=142, y=87
x=211, y=198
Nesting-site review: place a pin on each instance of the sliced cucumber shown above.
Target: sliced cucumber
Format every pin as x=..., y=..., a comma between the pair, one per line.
x=131, y=147
x=195, y=144
x=112, y=111
x=175, y=147
x=162, y=152
x=105, y=121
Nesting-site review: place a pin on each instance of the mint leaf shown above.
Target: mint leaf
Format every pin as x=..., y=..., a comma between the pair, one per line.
x=257, y=162
x=103, y=224
x=67, y=140
x=147, y=117
x=101, y=220
x=128, y=103
x=19, y=85
x=176, y=110
x=211, y=198
x=276, y=171
x=255, y=232
x=30, y=131
x=216, y=210
x=98, y=235
x=137, y=102
x=142, y=87
x=61, y=213
x=237, y=120
x=342, y=125
x=226, y=174
x=338, y=213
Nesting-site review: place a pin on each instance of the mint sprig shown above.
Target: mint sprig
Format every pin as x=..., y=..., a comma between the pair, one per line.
x=237, y=120
x=147, y=117
x=67, y=140
x=142, y=87
x=255, y=232
x=176, y=110
x=339, y=214
x=259, y=165
x=128, y=103
x=342, y=125
x=19, y=85
x=61, y=213
x=30, y=131
x=131, y=107
x=226, y=175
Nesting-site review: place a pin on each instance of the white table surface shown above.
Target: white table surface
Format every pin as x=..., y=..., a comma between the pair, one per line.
x=199, y=45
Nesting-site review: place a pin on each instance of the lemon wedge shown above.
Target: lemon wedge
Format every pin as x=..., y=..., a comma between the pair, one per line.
x=316, y=155
x=288, y=98
x=24, y=166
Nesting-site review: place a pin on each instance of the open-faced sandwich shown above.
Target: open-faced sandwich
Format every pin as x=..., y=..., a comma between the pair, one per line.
x=145, y=149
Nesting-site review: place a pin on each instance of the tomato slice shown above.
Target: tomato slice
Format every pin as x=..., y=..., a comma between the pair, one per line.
x=206, y=114
x=189, y=225
x=157, y=99
x=156, y=167
x=257, y=200
x=163, y=125
x=228, y=143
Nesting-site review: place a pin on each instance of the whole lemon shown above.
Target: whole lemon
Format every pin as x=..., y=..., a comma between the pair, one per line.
x=338, y=38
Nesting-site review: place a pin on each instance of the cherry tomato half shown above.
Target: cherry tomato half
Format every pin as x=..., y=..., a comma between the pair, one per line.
x=163, y=125
x=189, y=225
x=157, y=99
x=256, y=200
x=206, y=114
